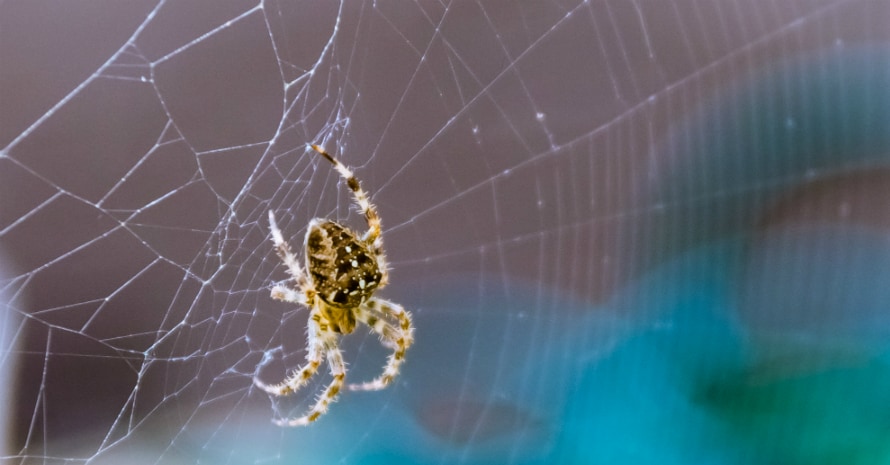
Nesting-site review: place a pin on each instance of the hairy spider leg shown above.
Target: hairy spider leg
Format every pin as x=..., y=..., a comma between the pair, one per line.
x=293, y=265
x=380, y=325
x=372, y=236
x=329, y=395
x=399, y=338
x=380, y=308
x=299, y=377
x=286, y=294
x=394, y=310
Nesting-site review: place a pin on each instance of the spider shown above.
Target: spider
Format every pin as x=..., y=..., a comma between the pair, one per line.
x=343, y=270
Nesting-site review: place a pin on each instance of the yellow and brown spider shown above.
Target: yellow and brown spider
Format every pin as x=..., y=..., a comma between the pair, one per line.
x=343, y=270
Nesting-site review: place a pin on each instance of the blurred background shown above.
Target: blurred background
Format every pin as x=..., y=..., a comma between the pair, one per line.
x=630, y=232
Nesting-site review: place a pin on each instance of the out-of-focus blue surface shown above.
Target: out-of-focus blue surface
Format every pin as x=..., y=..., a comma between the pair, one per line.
x=688, y=387
x=697, y=390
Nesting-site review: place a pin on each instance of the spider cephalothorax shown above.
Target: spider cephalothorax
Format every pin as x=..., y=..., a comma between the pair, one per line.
x=343, y=270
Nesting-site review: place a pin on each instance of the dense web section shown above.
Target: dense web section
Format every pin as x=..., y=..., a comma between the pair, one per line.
x=628, y=231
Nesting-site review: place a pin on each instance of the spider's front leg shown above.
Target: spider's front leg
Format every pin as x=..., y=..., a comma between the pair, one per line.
x=286, y=294
x=372, y=236
x=399, y=338
x=282, y=248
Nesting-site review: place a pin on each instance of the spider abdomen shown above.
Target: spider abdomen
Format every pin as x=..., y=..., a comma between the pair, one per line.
x=343, y=269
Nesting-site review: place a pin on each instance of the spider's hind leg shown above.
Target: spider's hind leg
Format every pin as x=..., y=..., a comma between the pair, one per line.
x=330, y=394
x=396, y=337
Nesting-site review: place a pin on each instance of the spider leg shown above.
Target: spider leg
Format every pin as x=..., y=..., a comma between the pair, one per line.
x=398, y=338
x=299, y=377
x=372, y=236
x=329, y=395
x=286, y=294
x=385, y=330
x=287, y=256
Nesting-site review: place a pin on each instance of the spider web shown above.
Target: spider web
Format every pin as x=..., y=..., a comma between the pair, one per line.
x=628, y=231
